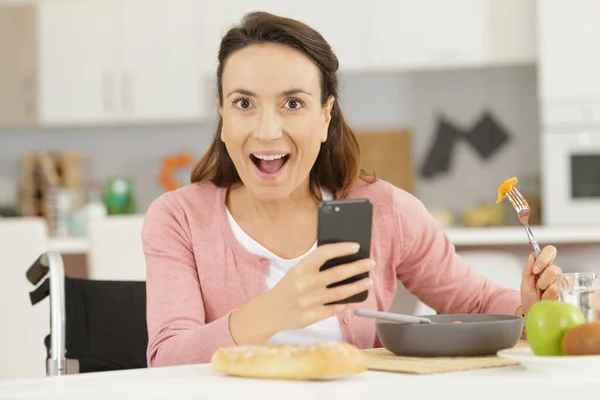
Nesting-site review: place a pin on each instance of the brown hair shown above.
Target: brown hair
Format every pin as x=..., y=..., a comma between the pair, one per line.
x=337, y=167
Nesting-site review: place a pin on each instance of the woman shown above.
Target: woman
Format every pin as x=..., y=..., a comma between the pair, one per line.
x=232, y=258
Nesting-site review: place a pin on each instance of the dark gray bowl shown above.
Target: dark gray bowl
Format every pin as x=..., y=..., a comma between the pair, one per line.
x=477, y=335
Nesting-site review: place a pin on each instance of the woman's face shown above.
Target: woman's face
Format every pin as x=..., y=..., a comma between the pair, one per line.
x=273, y=119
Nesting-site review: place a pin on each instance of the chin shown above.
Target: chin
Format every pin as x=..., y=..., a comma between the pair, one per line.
x=270, y=193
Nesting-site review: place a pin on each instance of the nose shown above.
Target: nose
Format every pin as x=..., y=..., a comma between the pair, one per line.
x=268, y=127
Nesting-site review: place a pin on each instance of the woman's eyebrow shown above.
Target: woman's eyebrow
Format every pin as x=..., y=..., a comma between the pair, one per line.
x=288, y=92
x=245, y=92
x=291, y=92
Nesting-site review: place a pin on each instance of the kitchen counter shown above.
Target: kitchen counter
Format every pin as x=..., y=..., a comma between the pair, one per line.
x=69, y=245
x=477, y=237
x=515, y=235
x=199, y=382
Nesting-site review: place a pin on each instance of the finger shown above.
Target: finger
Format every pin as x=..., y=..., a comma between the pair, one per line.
x=551, y=293
x=548, y=276
x=323, y=312
x=337, y=293
x=345, y=271
x=546, y=257
x=528, y=270
x=344, y=291
x=328, y=251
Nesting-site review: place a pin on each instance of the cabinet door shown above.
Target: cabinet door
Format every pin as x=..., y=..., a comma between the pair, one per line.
x=425, y=33
x=511, y=27
x=217, y=18
x=18, y=65
x=78, y=61
x=569, y=61
x=160, y=73
x=344, y=33
x=4, y=57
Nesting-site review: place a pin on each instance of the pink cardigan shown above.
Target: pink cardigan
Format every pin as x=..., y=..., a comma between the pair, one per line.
x=197, y=272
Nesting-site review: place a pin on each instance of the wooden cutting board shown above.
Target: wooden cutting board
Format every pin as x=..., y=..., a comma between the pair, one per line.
x=388, y=153
x=381, y=359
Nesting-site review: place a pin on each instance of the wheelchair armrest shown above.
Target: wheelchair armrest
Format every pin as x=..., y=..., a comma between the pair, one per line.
x=51, y=263
x=38, y=270
x=40, y=293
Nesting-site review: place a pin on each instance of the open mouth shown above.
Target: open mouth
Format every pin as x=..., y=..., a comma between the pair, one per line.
x=269, y=164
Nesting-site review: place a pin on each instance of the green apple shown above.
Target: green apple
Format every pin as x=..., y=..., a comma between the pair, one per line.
x=546, y=323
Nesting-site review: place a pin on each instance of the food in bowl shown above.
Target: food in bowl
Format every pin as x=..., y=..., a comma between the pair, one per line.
x=474, y=335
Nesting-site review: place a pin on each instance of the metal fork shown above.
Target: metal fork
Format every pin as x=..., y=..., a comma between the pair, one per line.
x=522, y=208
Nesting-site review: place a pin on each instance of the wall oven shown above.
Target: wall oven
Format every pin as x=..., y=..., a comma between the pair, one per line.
x=571, y=176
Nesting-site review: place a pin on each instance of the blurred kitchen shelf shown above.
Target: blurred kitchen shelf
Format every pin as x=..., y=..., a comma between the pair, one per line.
x=515, y=235
x=69, y=245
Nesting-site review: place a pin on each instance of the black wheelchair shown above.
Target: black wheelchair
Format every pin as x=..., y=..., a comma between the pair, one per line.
x=94, y=325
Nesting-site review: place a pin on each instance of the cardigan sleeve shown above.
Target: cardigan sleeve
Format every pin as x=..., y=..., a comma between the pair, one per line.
x=431, y=269
x=177, y=329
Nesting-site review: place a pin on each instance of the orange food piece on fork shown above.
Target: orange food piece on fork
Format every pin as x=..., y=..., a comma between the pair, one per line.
x=505, y=187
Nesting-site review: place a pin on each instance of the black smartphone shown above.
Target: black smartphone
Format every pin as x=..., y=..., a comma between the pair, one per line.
x=346, y=221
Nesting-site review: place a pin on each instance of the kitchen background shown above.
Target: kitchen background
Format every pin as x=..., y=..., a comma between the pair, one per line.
x=390, y=101
x=106, y=104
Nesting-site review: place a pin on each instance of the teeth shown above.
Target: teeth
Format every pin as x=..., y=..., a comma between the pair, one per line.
x=269, y=157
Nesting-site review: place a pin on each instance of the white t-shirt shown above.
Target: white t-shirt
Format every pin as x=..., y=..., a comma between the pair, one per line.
x=324, y=330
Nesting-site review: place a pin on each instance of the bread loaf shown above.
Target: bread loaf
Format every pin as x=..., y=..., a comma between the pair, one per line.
x=322, y=361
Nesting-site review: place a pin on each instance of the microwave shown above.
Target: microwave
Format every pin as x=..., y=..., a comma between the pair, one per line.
x=570, y=177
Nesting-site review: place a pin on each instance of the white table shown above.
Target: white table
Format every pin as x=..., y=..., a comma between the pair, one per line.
x=199, y=382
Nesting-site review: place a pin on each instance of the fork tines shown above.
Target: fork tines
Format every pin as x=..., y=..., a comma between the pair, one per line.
x=517, y=199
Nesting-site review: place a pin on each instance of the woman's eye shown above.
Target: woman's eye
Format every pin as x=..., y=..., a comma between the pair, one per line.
x=293, y=104
x=243, y=104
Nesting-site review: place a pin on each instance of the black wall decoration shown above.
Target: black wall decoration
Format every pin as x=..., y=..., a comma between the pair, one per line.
x=487, y=136
x=439, y=157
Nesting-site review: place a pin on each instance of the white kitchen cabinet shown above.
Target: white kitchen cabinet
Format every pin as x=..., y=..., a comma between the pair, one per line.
x=155, y=60
x=341, y=23
x=216, y=18
x=106, y=61
x=346, y=35
x=569, y=64
x=511, y=31
x=425, y=34
x=410, y=34
x=78, y=61
x=160, y=71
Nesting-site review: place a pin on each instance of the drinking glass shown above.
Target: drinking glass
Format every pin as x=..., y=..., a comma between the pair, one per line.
x=581, y=289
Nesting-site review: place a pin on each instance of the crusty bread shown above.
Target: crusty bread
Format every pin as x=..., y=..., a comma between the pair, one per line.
x=322, y=361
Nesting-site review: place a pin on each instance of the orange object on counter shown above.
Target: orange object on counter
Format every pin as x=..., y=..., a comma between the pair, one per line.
x=170, y=165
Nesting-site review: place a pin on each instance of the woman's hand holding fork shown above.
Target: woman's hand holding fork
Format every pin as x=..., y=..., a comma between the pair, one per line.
x=539, y=279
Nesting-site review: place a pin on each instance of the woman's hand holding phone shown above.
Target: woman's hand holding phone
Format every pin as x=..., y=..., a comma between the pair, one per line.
x=302, y=296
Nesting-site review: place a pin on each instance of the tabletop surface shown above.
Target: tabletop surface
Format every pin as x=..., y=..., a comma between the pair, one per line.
x=200, y=382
